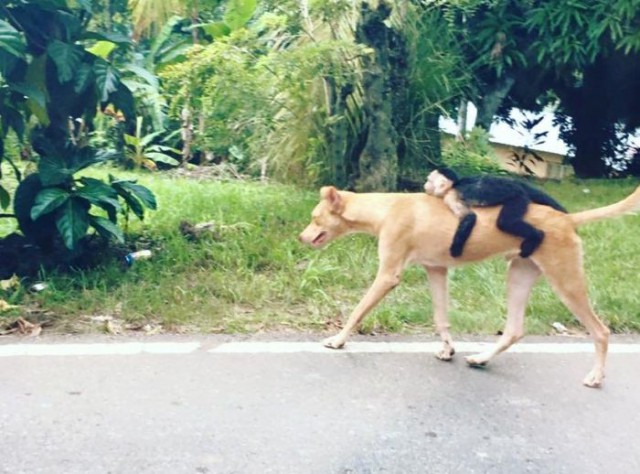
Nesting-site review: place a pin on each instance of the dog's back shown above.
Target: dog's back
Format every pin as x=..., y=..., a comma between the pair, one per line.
x=425, y=225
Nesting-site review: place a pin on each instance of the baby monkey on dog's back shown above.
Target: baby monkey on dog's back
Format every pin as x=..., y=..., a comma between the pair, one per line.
x=460, y=194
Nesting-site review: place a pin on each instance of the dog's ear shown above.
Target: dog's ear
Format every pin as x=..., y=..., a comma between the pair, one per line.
x=331, y=194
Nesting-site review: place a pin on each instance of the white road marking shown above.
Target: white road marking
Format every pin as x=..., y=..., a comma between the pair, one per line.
x=123, y=348
x=412, y=347
x=249, y=347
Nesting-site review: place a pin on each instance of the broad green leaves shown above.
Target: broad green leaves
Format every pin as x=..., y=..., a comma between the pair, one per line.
x=107, y=80
x=102, y=49
x=35, y=78
x=142, y=153
x=52, y=4
x=5, y=199
x=216, y=29
x=239, y=12
x=136, y=196
x=11, y=40
x=106, y=228
x=237, y=15
x=57, y=167
x=71, y=207
x=99, y=193
x=158, y=154
x=12, y=54
x=67, y=57
x=47, y=77
x=54, y=171
x=48, y=200
x=73, y=221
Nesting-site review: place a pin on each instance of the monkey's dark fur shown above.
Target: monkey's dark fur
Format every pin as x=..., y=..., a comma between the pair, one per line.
x=513, y=195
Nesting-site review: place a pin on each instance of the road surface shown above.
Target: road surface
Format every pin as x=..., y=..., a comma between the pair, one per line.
x=220, y=405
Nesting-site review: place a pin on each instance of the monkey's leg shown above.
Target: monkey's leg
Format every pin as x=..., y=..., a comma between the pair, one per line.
x=510, y=220
x=465, y=227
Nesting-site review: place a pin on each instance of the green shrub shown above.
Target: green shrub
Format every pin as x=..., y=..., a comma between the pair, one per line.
x=472, y=155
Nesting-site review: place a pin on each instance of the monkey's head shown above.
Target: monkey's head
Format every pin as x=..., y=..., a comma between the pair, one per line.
x=440, y=181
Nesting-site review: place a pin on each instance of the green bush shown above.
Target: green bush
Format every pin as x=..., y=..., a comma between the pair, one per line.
x=52, y=79
x=472, y=155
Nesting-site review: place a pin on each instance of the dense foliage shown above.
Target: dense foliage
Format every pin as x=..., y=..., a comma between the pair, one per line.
x=299, y=91
x=582, y=57
x=52, y=85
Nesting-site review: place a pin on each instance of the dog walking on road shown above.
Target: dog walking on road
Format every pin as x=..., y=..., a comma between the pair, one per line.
x=418, y=229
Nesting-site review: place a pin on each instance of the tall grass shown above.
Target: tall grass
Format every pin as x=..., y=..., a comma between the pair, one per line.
x=255, y=275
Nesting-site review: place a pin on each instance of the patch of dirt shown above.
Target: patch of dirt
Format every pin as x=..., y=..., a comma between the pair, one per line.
x=214, y=172
x=21, y=327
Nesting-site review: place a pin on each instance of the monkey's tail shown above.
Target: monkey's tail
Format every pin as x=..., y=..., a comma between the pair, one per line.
x=629, y=205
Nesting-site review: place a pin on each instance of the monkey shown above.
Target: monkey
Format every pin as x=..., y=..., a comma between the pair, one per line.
x=459, y=194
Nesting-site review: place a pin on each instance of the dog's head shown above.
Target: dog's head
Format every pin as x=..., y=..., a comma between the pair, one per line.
x=327, y=222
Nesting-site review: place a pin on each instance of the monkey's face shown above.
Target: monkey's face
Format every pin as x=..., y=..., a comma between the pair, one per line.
x=437, y=184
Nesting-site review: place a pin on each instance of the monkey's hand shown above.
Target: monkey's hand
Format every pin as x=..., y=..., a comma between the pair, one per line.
x=456, y=249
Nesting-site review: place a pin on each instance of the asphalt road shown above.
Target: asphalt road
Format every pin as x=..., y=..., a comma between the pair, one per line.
x=305, y=412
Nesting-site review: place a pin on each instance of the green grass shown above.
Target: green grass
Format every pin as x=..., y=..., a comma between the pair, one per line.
x=257, y=276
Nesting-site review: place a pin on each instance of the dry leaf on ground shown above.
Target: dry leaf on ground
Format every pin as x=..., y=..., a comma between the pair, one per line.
x=4, y=306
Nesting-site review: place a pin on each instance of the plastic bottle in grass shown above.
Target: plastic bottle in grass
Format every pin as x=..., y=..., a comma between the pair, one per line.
x=139, y=255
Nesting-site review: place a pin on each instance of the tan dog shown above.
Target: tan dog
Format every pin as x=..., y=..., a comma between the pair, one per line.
x=417, y=228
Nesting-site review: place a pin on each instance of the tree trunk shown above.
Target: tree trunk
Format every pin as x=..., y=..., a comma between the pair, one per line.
x=195, y=19
x=378, y=164
x=186, y=133
x=589, y=137
x=463, y=114
x=337, y=133
x=108, y=23
x=489, y=104
x=591, y=129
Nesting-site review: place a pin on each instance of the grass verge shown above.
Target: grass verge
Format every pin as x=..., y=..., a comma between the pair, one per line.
x=254, y=275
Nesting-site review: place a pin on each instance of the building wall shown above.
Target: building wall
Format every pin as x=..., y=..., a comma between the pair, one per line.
x=551, y=167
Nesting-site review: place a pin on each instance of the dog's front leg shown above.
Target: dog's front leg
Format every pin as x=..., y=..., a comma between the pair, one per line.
x=387, y=279
x=440, y=300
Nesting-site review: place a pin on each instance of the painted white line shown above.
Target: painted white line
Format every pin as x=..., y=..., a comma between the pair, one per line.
x=126, y=348
x=412, y=347
x=133, y=348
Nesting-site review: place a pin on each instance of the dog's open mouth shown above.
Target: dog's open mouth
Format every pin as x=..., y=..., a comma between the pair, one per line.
x=320, y=239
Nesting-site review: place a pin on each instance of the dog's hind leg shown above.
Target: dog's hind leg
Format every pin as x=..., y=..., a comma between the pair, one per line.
x=440, y=300
x=567, y=278
x=387, y=279
x=523, y=274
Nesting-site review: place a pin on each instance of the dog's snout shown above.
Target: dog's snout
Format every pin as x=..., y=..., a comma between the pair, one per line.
x=303, y=237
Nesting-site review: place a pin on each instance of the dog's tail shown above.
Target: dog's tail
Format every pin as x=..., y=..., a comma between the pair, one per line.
x=628, y=205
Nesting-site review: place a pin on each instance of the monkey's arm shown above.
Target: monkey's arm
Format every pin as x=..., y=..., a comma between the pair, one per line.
x=458, y=206
x=467, y=221
x=463, y=232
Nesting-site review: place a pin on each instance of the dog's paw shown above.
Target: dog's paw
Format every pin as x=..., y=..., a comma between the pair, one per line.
x=476, y=361
x=334, y=342
x=446, y=353
x=594, y=379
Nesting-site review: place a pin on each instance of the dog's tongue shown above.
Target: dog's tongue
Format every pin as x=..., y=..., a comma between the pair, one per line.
x=319, y=237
